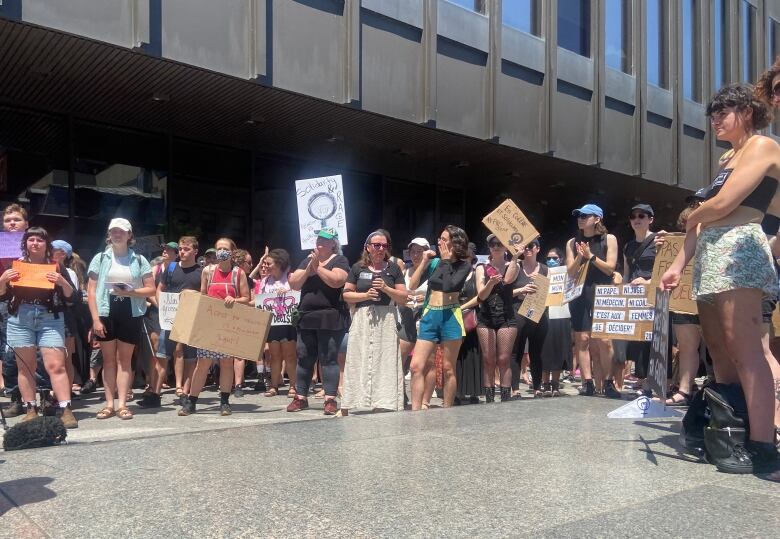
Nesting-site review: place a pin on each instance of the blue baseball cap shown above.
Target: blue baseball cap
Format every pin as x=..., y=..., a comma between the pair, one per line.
x=589, y=209
x=63, y=245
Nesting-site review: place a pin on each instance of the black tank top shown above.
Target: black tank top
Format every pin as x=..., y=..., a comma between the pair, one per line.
x=598, y=247
x=759, y=199
x=499, y=302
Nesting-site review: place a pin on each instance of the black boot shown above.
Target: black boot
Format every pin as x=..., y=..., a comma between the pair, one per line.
x=588, y=389
x=765, y=456
x=490, y=394
x=151, y=400
x=506, y=394
x=555, y=389
x=726, y=434
x=694, y=422
x=610, y=391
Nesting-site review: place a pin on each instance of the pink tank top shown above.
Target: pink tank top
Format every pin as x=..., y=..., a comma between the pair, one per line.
x=224, y=284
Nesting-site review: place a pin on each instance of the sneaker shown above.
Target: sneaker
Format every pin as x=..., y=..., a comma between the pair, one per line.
x=297, y=405
x=331, y=407
x=32, y=413
x=588, y=389
x=224, y=409
x=88, y=387
x=260, y=385
x=67, y=417
x=610, y=391
x=150, y=401
x=15, y=408
x=238, y=392
x=187, y=408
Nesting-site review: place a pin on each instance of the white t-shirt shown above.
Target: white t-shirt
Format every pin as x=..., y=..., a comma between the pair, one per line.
x=119, y=272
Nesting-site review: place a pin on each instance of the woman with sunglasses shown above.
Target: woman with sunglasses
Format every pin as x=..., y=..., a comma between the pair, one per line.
x=496, y=321
x=556, y=348
x=442, y=319
x=734, y=270
x=594, y=246
x=373, y=372
x=37, y=323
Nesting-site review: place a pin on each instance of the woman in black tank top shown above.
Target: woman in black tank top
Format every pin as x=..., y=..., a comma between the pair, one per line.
x=598, y=249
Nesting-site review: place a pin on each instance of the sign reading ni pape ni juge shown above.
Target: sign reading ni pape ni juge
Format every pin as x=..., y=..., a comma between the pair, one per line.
x=622, y=312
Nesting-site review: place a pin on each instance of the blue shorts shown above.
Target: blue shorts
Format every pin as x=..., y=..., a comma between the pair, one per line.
x=166, y=347
x=439, y=325
x=34, y=325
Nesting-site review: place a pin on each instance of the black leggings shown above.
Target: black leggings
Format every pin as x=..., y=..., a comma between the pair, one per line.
x=321, y=345
x=535, y=334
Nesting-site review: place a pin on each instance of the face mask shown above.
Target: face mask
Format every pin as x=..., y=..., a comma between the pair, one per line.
x=223, y=254
x=553, y=263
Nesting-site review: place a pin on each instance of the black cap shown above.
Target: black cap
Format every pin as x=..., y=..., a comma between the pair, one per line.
x=647, y=208
x=698, y=195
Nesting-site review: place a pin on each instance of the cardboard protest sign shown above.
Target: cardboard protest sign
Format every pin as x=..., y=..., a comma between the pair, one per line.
x=511, y=226
x=659, y=351
x=622, y=312
x=205, y=322
x=33, y=275
x=11, y=244
x=572, y=286
x=167, y=307
x=682, y=300
x=320, y=205
x=533, y=305
x=280, y=306
x=557, y=277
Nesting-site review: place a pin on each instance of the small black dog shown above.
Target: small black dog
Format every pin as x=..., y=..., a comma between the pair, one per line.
x=38, y=432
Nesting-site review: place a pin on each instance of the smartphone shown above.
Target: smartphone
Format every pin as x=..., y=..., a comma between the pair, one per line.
x=375, y=277
x=490, y=271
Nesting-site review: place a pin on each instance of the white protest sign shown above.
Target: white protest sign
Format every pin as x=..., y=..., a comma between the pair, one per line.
x=280, y=306
x=167, y=307
x=572, y=287
x=557, y=283
x=320, y=205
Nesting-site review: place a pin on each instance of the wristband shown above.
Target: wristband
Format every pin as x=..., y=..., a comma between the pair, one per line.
x=592, y=258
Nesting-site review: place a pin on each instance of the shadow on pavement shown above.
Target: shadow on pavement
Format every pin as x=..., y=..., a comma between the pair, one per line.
x=21, y=492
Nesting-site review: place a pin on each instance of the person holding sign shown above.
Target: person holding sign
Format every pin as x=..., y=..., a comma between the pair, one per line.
x=496, y=321
x=119, y=283
x=36, y=321
x=442, y=319
x=282, y=340
x=174, y=278
x=227, y=282
x=323, y=318
x=534, y=333
x=599, y=249
x=733, y=270
x=373, y=372
x=557, y=347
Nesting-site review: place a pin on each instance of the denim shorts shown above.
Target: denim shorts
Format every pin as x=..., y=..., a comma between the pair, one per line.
x=34, y=325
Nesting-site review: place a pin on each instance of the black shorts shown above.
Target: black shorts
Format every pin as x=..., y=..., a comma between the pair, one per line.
x=282, y=334
x=682, y=319
x=581, y=310
x=408, y=330
x=120, y=323
x=152, y=320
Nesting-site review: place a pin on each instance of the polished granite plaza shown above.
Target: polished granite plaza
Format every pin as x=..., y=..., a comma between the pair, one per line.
x=529, y=468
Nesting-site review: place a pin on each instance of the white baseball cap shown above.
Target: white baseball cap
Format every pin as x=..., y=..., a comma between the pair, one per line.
x=422, y=242
x=120, y=223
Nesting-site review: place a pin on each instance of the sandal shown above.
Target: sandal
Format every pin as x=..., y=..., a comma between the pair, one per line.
x=105, y=413
x=272, y=392
x=124, y=413
x=166, y=386
x=686, y=400
x=179, y=392
x=291, y=393
x=425, y=406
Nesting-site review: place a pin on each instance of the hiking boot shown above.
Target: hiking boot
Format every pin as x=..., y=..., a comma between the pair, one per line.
x=297, y=405
x=88, y=387
x=588, y=389
x=330, y=407
x=187, y=408
x=238, y=391
x=225, y=409
x=151, y=400
x=610, y=391
x=67, y=417
x=32, y=413
x=15, y=408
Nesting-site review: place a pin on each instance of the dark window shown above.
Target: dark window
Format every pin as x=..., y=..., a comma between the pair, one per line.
x=574, y=26
x=692, y=50
x=747, y=15
x=720, y=43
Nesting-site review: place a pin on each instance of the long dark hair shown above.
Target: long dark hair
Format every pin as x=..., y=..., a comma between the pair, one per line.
x=460, y=241
x=41, y=233
x=365, y=258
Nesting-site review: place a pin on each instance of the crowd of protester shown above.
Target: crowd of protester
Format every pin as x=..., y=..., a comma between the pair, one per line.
x=435, y=317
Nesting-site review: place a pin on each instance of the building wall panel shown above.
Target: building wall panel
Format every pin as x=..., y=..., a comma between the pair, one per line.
x=520, y=105
x=460, y=88
x=105, y=20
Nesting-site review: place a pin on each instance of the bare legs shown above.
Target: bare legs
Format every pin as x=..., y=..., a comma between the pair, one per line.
x=117, y=375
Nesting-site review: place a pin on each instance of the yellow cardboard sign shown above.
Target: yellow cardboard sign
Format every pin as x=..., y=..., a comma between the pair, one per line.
x=511, y=226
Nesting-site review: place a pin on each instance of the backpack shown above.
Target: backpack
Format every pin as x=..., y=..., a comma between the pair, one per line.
x=233, y=279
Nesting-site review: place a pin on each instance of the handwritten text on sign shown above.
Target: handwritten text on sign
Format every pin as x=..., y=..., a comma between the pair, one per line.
x=622, y=312
x=511, y=226
x=167, y=306
x=533, y=305
x=573, y=286
x=320, y=205
x=280, y=306
x=33, y=275
x=681, y=299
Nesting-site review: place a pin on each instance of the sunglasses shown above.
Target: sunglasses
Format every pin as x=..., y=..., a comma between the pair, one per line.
x=638, y=216
x=530, y=246
x=553, y=258
x=379, y=245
